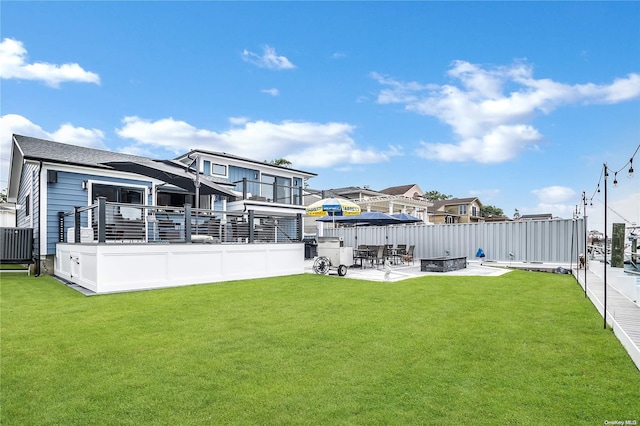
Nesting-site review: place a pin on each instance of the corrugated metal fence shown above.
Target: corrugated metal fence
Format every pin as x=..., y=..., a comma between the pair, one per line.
x=557, y=240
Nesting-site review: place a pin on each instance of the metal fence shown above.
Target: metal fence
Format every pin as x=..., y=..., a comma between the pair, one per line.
x=135, y=223
x=557, y=240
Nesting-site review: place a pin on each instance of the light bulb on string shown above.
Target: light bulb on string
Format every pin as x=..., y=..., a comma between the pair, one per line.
x=630, y=175
x=615, y=180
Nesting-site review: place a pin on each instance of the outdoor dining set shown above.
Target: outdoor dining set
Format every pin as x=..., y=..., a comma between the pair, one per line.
x=376, y=255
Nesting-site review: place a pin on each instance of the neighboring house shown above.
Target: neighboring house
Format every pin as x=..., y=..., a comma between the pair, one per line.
x=496, y=218
x=7, y=215
x=399, y=199
x=408, y=191
x=48, y=177
x=409, y=200
x=456, y=210
x=540, y=216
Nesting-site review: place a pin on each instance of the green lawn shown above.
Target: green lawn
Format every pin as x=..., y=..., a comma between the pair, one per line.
x=523, y=348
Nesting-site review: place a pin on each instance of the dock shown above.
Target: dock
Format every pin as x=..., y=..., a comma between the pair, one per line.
x=623, y=315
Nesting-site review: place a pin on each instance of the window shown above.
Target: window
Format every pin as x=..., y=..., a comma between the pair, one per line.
x=206, y=167
x=282, y=188
x=27, y=205
x=117, y=194
x=218, y=169
x=174, y=199
x=474, y=211
x=462, y=209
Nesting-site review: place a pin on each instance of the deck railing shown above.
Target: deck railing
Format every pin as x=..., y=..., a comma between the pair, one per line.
x=135, y=223
x=270, y=192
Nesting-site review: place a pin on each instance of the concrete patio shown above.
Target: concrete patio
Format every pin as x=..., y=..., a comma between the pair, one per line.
x=405, y=271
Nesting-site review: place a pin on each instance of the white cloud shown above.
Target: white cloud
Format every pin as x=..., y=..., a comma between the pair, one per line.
x=11, y=124
x=555, y=195
x=501, y=144
x=560, y=201
x=623, y=203
x=269, y=59
x=305, y=144
x=490, y=110
x=238, y=121
x=272, y=92
x=13, y=57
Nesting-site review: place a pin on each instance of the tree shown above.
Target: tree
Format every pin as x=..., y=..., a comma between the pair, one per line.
x=283, y=162
x=3, y=196
x=436, y=195
x=491, y=211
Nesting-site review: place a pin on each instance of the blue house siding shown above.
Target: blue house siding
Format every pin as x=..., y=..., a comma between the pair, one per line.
x=236, y=174
x=28, y=201
x=68, y=193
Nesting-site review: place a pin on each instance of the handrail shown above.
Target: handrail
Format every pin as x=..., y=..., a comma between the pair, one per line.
x=137, y=223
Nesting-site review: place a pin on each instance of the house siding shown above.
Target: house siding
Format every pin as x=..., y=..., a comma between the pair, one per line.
x=236, y=174
x=29, y=188
x=67, y=193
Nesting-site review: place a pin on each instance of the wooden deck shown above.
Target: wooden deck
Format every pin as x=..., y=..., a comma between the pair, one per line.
x=623, y=316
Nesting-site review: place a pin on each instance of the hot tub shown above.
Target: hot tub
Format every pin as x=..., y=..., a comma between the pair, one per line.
x=443, y=264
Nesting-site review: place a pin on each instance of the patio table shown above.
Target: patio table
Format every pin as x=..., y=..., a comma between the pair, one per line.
x=362, y=254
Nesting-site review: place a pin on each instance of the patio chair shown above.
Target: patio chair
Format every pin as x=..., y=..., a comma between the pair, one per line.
x=378, y=256
x=408, y=256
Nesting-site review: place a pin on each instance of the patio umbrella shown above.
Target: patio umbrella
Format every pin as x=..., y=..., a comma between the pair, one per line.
x=406, y=218
x=169, y=172
x=368, y=218
x=332, y=207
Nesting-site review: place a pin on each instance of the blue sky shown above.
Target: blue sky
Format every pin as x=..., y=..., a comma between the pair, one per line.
x=519, y=103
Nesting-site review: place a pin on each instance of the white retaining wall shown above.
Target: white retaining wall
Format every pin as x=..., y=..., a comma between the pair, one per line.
x=107, y=268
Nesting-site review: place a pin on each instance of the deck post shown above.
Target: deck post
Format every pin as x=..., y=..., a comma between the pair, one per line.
x=187, y=223
x=102, y=219
x=76, y=224
x=61, y=227
x=252, y=226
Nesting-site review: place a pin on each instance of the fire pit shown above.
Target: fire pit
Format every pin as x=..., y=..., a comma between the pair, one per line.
x=443, y=264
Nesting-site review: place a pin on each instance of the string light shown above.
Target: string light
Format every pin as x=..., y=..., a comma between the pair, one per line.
x=605, y=174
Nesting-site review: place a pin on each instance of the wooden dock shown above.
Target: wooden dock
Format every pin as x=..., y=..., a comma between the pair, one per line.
x=623, y=316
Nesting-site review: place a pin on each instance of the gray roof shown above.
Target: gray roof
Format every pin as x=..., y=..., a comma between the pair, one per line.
x=244, y=159
x=28, y=148
x=56, y=152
